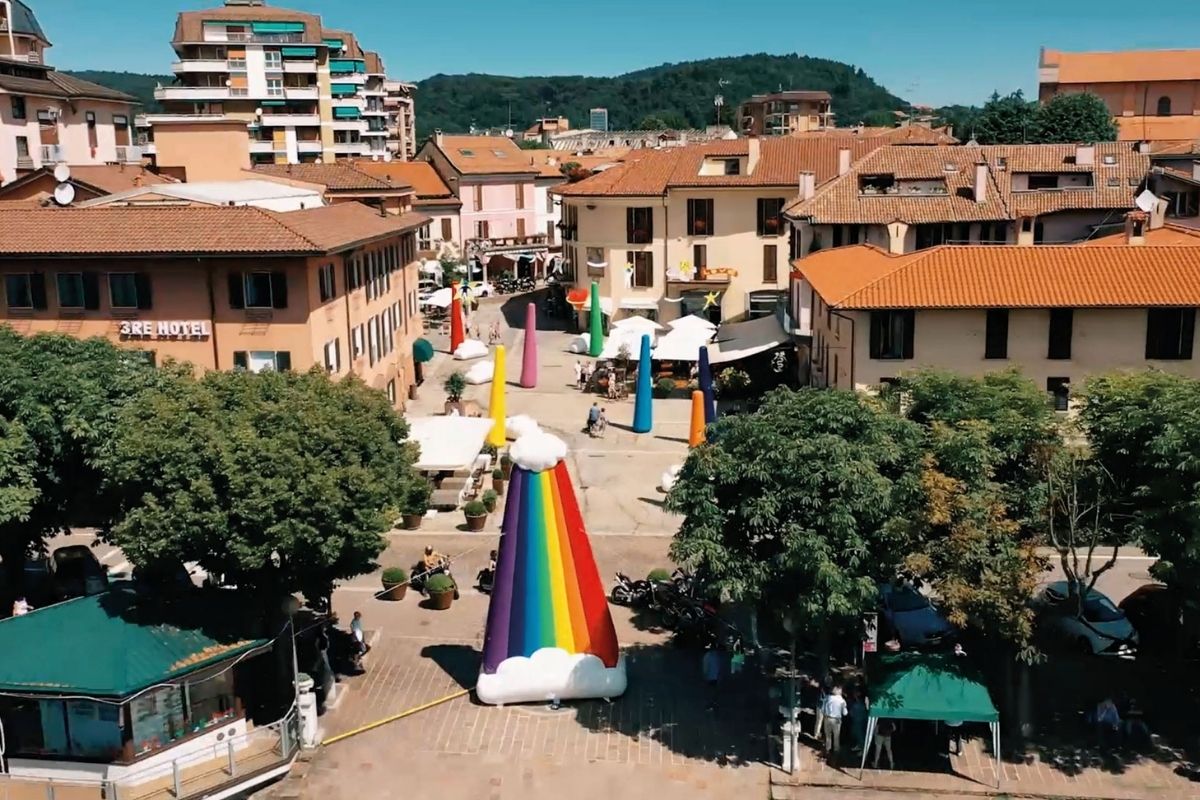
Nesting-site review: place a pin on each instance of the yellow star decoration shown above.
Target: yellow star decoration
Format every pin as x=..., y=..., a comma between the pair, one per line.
x=711, y=299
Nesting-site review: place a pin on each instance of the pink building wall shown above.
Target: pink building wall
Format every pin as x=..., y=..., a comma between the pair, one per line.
x=499, y=207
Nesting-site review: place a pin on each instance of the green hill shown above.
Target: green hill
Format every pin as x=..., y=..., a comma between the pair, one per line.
x=678, y=94
x=134, y=83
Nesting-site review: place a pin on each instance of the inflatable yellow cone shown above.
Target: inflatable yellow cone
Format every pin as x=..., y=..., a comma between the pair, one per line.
x=696, y=429
x=499, y=378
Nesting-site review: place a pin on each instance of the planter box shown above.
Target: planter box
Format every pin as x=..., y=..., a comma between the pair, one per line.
x=395, y=592
x=476, y=523
x=441, y=601
x=498, y=486
x=412, y=521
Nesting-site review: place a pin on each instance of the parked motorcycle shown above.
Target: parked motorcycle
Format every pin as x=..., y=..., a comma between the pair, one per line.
x=420, y=576
x=628, y=592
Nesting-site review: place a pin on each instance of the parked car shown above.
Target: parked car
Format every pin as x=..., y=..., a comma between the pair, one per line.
x=77, y=572
x=911, y=616
x=165, y=576
x=1102, y=628
x=1158, y=618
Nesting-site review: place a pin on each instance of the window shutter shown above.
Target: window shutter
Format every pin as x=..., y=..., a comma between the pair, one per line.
x=278, y=290
x=762, y=217
x=878, y=319
x=141, y=282
x=91, y=291
x=1187, y=332
x=237, y=290
x=240, y=359
x=283, y=360
x=910, y=318
x=37, y=290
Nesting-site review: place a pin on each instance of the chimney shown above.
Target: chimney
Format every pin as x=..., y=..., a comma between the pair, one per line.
x=137, y=181
x=843, y=160
x=1085, y=154
x=981, y=182
x=754, y=149
x=1143, y=147
x=808, y=184
x=438, y=139
x=1135, y=228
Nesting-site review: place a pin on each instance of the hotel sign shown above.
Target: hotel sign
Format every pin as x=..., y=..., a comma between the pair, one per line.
x=167, y=329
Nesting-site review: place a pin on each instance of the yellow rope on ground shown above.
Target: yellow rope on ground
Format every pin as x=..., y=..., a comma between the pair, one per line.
x=381, y=722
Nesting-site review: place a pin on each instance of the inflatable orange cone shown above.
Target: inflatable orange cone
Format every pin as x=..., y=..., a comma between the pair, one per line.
x=696, y=429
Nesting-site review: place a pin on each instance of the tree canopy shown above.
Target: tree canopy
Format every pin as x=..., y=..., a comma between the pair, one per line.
x=276, y=481
x=1077, y=117
x=1011, y=119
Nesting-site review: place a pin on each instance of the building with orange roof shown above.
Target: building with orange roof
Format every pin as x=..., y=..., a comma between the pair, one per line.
x=1057, y=313
x=431, y=196
x=904, y=199
x=223, y=287
x=785, y=113
x=88, y=182
x=304, y=92
x=1152, y=94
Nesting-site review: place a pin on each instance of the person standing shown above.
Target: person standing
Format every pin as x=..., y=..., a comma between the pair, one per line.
x=360, y=635
x=833, y=712
x=822, y=696
x=954, y=727
x=857, y=712
x=593, y=417
x=710, y=665
x=883, y=741
x=578, y=376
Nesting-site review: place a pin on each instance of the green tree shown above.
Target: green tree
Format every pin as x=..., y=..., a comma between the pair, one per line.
x=1077, y=117
x=1007, y=120
x=276, y=482
x=651, y=122
x=59, y=399
x=788, y=507
x=532, y=144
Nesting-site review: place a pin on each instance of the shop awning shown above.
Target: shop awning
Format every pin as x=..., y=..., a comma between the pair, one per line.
x=272, y=102
x=422, y=351
x=639, y=303
x=343, y=88
x=346, y=112
x=347, y=65
x=738, y=340
x=448, y=443
x=335, y=44
x=299, y=52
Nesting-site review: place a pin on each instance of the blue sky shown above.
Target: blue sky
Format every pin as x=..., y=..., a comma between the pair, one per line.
x=927, y=51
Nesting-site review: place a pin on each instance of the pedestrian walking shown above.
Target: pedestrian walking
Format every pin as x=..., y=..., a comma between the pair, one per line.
x=834, y=712
x=360, y=636
x=710, y=665
x=883, y=741
x=857, y=712
x=822, y=695
x=579, y=376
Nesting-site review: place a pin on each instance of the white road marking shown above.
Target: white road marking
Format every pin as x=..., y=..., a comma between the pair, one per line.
x=113, y=552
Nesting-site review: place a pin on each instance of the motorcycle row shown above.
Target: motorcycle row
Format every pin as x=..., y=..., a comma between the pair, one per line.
x=680, y=606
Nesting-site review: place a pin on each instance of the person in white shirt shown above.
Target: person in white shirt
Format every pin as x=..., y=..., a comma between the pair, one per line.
x=833, y=712
x=21, y=607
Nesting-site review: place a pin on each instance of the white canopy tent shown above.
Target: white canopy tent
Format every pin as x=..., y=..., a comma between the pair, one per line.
x=442, y=298
x=692, y=322
x=638, y=324
x=682, y=345
x=738, y=340
x=632, y=340
x=448, y=443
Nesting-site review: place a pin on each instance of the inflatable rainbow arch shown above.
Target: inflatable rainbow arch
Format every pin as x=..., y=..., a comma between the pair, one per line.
x=549, y=632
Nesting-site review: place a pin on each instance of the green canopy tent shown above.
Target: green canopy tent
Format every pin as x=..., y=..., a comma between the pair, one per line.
x=932, y=687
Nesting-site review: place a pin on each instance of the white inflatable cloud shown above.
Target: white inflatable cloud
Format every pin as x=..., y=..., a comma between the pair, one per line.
x=668, y=479
x=521, y=425
x=471, y=348
x=538, y=451
x=551, y=674
x=480, y=372
x=579, y=344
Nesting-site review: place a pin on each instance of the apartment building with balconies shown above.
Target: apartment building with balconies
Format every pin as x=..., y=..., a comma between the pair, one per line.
x=402, y=119
x=47, y=118
x=305, y=92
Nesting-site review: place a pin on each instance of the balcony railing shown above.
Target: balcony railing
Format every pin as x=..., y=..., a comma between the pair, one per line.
x=508, y=242
x=193, y=93
x=289, y=119
x=52, y=154
x=709, y=275
x=129, y=154
x=265, y=38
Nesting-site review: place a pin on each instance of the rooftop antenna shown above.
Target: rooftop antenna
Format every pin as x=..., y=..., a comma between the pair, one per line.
x=719, y=101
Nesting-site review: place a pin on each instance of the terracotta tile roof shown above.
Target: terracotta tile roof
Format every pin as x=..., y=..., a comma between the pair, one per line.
x=1177, y=147
x=907, y=134
x=1151, y=128
x=420, y=175
x=484, y=155
x=374, y=63
x=55, y=84
x=1168, y=235
x=189, y=25
x=1123, y=65
x=781, y=159
x=191, y=230
x=337, y=177
x=111, y=178
x=1004, y=276
x=841, y=202
x=549, y=163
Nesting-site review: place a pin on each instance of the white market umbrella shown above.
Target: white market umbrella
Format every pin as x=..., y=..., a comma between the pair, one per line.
x=442, y=298
x=691, y=322
x=635, y=324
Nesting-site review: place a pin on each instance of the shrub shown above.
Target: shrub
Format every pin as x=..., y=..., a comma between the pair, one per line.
x=416, y=498
x=489, y=500
x=498, y=474
x=394, y=576
x=658, y=574
x=439, y=583
x=506, y=460
x=475, y=509
x=488, y=449
x=455, y=385
x=664, y=387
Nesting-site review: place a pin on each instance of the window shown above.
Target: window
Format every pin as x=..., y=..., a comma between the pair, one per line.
x=733, y=166
x=1164, y=107
x=129, y=290
x=78, y=290
x=770, y=263
x=521, y=228
x=274, y=87
x=892, y=334
x=700, y=256
x=356, y=342
x=325, y=282
x=333, y=356
x=1061, y=321
x=482, y=230
x=1170, y=333
x=424, y=237
x=1042, y=182
x=354, y=276
x=993, y=232
x=643, y=268
x=996, y=334
x=1026, y=224
x=372, y=340
x=770, y=216
x=257, y=290
x=447, y=230
x=930, y=236
x=18, y=107
x=120, y=120
x=391, y=391
x=27, y=291
x=274, y=59
x=520, y=196
x=1059, y=390
x=479, y=197
x=639, y=225
x=262, y=360
x=700, y=217
x=22, y=147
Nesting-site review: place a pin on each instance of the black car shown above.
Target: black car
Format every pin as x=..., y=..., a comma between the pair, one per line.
x=77, y=572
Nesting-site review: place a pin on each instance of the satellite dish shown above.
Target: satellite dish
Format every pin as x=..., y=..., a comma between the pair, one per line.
x=1147, y=200
x=62, y=173
x=509, y=133
x=64, y=194
x=387, y=156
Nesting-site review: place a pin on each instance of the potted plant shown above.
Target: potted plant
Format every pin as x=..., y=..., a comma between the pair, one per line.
x=440, y=589
x=416, y=504
x=664, y=387
x=455, y=386
x=498, y=479
x=476, y=513
x=395, y=583
x=489, y=450
x=489, y=499
x=506, y=465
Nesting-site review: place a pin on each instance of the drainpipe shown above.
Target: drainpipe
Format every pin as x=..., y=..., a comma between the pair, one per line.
x=840, y=315
x=212, y=313
x=666, y=237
